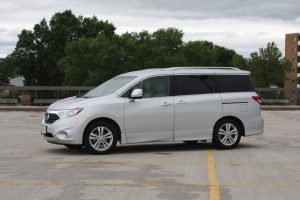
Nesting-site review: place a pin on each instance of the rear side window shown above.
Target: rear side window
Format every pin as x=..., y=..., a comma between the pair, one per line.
x=192, y=84
x=233, y=83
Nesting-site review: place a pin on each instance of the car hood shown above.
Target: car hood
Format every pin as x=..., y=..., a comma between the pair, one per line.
x=68, y=103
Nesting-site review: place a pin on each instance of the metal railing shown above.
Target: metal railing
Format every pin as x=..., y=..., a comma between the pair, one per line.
x=280, y=94
x=272, y=93
x=48, y=94
x=38, y=94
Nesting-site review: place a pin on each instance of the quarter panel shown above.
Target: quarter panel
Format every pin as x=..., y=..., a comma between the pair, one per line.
x=242, y=106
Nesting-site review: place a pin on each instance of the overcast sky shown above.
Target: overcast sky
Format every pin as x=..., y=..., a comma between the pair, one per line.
x=241, y=25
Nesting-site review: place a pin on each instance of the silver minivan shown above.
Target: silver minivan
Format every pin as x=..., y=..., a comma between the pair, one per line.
x=186, y=104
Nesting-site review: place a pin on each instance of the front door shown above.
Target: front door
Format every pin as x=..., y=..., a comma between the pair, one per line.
x=150, y=118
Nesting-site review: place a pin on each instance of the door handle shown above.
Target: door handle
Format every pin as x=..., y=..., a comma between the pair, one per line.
x=181, y=102
x=166, y=104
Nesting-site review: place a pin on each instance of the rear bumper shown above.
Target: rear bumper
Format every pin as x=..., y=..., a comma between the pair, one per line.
x=254, y=126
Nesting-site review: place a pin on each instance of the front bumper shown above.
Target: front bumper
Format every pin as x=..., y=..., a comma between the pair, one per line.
x=63, y=131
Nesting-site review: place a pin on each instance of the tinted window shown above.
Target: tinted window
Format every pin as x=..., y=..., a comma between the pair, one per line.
x=233, y=83
x=153, y=87
x=187, y=85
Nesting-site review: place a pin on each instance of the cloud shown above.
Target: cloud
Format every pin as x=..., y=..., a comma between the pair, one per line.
x=197, y=9
x=241, y=25
x=8, y=38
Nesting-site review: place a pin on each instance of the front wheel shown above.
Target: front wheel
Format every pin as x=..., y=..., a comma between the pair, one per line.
x=227, y=134
x=100, y=138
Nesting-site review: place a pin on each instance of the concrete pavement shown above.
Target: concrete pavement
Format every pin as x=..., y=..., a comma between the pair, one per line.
x=262, y=167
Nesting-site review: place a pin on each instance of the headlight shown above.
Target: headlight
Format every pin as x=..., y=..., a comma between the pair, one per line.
x=69, y=113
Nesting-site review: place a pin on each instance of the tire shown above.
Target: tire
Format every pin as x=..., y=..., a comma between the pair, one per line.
x=227, y=134
x=70, y=146
x=191, y=141
x=100, y=137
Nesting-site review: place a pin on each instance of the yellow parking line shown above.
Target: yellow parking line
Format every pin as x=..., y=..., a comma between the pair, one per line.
x=214, y=187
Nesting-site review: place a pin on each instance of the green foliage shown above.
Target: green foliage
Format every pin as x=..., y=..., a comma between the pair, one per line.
x=200, y=53
x=6, y=70
x=37, y=52
x=166, y=46
x=74, y=50
x=268, y=66
x=239, y=61
x=224, y=56
x=90, y=61
x=3, y=73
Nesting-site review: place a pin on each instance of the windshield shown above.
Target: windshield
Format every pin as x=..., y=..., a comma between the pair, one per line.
x=109, y=86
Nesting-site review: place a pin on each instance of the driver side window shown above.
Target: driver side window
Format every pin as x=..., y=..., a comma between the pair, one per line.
x=153, y=87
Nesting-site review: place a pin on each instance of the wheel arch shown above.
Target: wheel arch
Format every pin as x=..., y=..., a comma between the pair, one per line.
x=235, y=119
x=108, y=120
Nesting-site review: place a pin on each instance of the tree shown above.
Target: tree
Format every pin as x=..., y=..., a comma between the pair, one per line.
x=92, y=27
x=199, y=53
x=205, y=53
x=239, y=61
x=224, y=56
x=268, y=66
x=166, y=49
x=75, y=50
x=91, y=61
x=3, y=72
x=37, y=52
x=7, y=70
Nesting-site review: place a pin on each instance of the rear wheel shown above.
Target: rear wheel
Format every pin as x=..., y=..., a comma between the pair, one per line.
x=227, y=134
x=100, y=137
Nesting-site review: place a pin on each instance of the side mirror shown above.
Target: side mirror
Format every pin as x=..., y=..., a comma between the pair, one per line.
x=136, y=94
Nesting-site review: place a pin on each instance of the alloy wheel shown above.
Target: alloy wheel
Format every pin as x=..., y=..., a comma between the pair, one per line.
x=228, y=134
x=101, y=138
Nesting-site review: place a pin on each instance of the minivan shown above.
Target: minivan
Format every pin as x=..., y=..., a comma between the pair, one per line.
x=188, y=104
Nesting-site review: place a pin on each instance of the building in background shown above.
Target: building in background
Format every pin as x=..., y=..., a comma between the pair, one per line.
x=292, y=52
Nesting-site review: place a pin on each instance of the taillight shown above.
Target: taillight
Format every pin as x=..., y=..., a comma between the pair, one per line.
x=257, y=98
